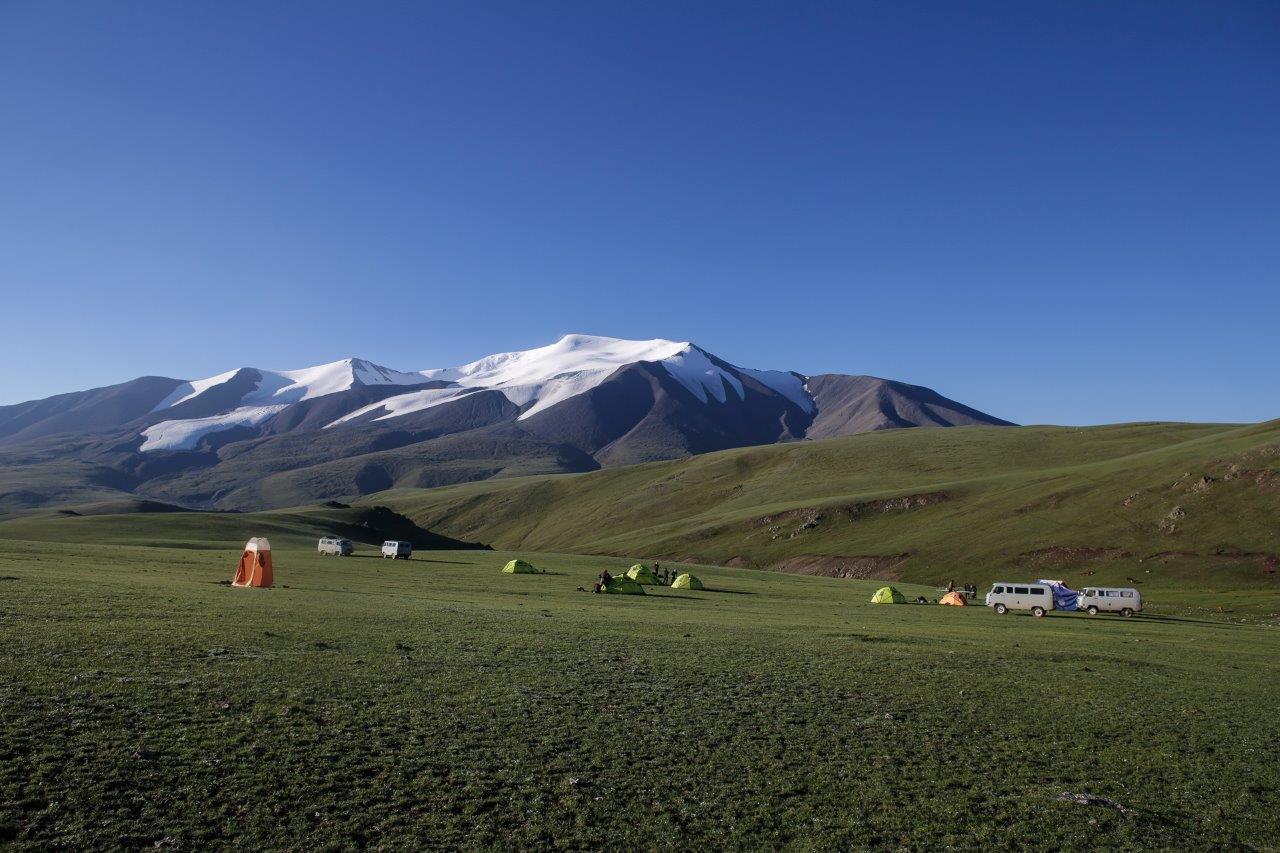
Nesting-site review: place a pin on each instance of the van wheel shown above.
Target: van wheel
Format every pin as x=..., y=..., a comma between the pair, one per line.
x=1037, y=612
x=1091, y=610
x=1126, y=612
x=1001, y=609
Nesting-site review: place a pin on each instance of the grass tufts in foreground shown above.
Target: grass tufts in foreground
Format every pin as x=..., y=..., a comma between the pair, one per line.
x=441, y=703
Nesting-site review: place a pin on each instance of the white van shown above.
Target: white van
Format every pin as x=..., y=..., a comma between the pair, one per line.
x=397, y=550
x=1036, y=597
x=1124, y=600
x=335, y=546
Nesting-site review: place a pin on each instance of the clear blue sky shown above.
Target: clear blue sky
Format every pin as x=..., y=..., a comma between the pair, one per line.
x=1057, y=212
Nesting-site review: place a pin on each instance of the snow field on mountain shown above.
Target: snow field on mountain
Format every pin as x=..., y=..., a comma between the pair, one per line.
x=186, y=434
x=535, y=380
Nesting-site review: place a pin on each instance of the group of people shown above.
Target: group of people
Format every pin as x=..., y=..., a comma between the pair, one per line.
x=665, y=577
x=968, y=591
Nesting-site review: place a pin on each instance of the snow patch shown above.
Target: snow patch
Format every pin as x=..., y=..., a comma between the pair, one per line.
x=294, y=386
x=186, y=434
x=538, y=378
x=194, y=388
x=788, y=384
x=557, y=389
x=692, y=369
x=570, y=354
x=551, y=374
x=403, y=404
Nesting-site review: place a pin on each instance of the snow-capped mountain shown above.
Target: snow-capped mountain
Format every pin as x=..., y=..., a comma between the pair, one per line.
x=272, y=393
x=254, y=437
x=533, y=380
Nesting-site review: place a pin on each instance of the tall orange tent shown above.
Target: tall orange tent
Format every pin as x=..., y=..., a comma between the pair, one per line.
x=255, y=564
x=954, y=598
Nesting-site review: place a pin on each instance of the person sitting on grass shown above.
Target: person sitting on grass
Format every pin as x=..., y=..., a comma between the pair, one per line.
x=602, y=582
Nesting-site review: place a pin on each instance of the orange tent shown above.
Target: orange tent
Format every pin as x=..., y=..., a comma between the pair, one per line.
x=953, y=598
x=255, y=564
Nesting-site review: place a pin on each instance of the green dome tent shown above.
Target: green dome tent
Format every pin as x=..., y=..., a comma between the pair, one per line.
x=623, y=586
x=888, y=595
x=687, y=581
x=640, y=573
x=519, y=567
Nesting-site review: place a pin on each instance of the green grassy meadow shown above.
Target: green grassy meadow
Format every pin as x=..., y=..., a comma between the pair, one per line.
x=438, y=703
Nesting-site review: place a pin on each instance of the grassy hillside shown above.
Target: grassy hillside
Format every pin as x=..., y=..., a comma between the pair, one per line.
x=1168, y=506
x=279, y=471
x=440, y=704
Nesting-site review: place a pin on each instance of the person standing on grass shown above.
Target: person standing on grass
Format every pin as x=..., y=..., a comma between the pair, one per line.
x=951, y=586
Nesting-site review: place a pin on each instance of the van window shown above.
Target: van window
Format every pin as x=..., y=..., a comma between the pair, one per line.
x=1127, y=594
x=1020, y=590
x=997, y=590
x=1036, y=590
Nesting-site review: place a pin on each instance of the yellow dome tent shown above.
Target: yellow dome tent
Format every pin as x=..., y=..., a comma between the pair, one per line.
x=687, y=581
x=519, y=567
x=888, y=595
x=954, y=599
x=623, y=586
x=642, y=574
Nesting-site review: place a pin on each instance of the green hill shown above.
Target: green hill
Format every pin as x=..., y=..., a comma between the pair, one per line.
x=1172, y=506
x=146, y=523
x=1189, y=512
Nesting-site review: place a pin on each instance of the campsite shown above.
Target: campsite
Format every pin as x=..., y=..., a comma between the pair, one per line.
x=639, y=426
x=443, y=702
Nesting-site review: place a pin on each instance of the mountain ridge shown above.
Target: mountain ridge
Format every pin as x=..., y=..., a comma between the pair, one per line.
x=346, y=427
